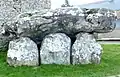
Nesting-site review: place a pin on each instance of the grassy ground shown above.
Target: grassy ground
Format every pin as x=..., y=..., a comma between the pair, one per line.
x=110, y=65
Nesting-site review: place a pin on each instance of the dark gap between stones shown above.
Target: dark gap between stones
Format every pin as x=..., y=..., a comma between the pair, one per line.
x=73, y=38
x=39, y=57
x=38, y=41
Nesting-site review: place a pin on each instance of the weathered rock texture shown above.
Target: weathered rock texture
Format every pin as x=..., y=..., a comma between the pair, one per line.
x=31, y=5
x=22, y=51
x=86, y=50
x=9, y=11
x=4, y=41
x=11, y=8
x=70, y=21
x=55, y=49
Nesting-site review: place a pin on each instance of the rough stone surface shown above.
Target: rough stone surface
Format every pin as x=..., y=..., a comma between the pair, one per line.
x=86, y=50
x=4, y=41
x=11, y=8
x=8, y=12
x=22, y=51
x=31, y=5
x=55, y=49
x=68, y=20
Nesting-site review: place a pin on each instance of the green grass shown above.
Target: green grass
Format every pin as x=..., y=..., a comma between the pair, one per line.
x=110, y=65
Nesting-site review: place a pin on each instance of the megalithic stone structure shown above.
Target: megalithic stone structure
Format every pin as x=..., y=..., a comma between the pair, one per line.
x=64, y=35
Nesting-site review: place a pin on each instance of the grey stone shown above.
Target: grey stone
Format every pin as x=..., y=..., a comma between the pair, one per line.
x=68, y=20
x=9, y=11
x=11, y=8
x=86, y=50
x=22, y=51
x=4, y=42
x=55, y=49
x=31, y=5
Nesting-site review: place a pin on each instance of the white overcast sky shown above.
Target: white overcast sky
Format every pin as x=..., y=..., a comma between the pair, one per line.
x=58, y=3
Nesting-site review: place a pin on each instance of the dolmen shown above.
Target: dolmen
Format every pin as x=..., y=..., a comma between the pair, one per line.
x=64, y=36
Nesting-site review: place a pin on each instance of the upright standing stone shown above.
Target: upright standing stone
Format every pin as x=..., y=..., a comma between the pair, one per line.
x=55, y=49
x=22, y=51
x=86, y=50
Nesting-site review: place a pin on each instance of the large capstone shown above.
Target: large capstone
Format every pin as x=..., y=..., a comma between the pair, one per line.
x=68, y=20
x=86, y=50
x=55, y=49
x=22, y=51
